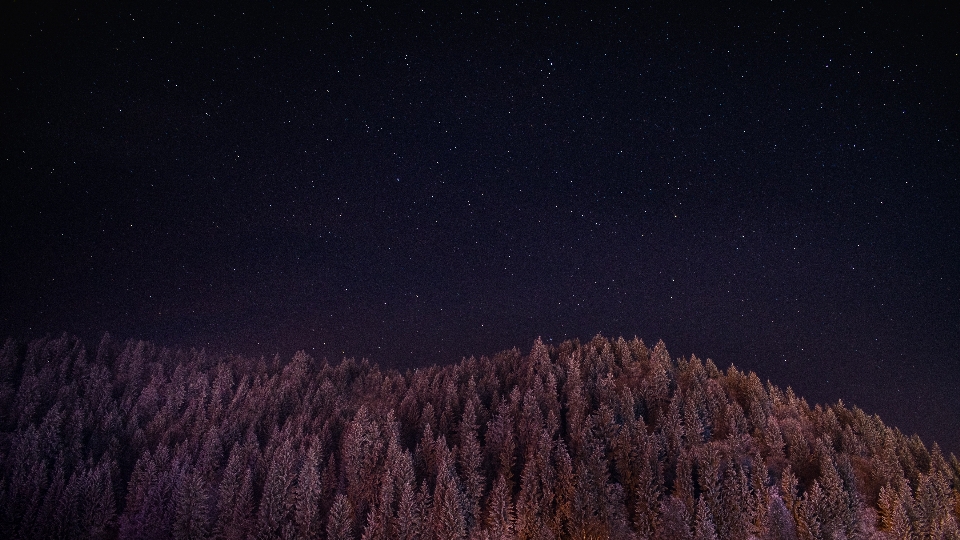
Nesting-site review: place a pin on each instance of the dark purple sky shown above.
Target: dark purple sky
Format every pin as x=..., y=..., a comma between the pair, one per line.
x=773, y=186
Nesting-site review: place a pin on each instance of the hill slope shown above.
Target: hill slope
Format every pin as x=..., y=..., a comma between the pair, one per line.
x=607, y=439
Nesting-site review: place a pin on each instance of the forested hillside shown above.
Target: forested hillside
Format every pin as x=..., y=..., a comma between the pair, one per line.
x=606, y=439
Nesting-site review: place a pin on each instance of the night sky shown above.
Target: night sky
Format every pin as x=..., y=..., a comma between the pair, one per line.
x=774, y=186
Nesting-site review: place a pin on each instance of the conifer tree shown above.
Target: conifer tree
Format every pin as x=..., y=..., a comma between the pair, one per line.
x=683, y=486
x=645, y=516
x=759, y=495
x=401, y=481
x=779, y=524
x=340, y=522
x=363, y=450
x=529, y=521
x=448, y=521
x=407, y=514
x=575, y=402
x=274, y=511
x=469, y=462
x=893, y=515
x=500, y=516
x=674, y=520
x=50, y=521
x=564, y=491
x=808, y=513
x=306, y=495
x=234, y=499
x=704, y=528
x=501, y=443
x=733, y=517
x=192, y=507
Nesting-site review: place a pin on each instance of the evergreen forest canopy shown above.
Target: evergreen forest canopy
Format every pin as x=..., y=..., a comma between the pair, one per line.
x=606, y=439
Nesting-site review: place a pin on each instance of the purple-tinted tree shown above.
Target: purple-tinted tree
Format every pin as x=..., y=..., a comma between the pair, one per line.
x=674, y=520
x=470, y=462
x=274, y=510
x=306, y=495
x=703, y=525
x=535, y=500
x=362, y=453
x=779, y=523
x=234, y=497
x=340, y=523
x=191, y=499
x=448, y=521
x=500, y=514
x=501, y=444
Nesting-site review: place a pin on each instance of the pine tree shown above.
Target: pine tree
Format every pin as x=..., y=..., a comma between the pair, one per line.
x=615, y=513
x=380, y=514
x=656, y=384
x=893, y=514
x=234, y=500
x=733, y=517
x=648, y=489
x=501, y=443
x=683, y=487
x=329, y=484
x=469, y=461
x=192, y=508
x=528, y=521
x=375, y=528
x=759, y=494
x=407, y=514
x=788, y=489
x=779, y=524
x=51, y=522
x=403, y=481
x=306, y=495
x=834, y=509
x=704, y=528
x=362, y=453
x=672, y=429
x=674, y=520
x=500, y=517
x=808, y=512
x=588, y=519
x=274, y=510
x=340, y=522
x=564, y=490
x=156, y=515
x=448, y=521
x=575, y=402
x=530, y=422
x=933, y=498
x=424, y=454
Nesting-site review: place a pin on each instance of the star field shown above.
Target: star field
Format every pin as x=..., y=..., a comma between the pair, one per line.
x=773, y=187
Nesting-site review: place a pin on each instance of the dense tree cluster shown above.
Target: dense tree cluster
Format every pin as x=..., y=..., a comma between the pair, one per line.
x=606, y=439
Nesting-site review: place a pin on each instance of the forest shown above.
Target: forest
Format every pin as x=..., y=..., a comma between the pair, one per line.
x=604, y=439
